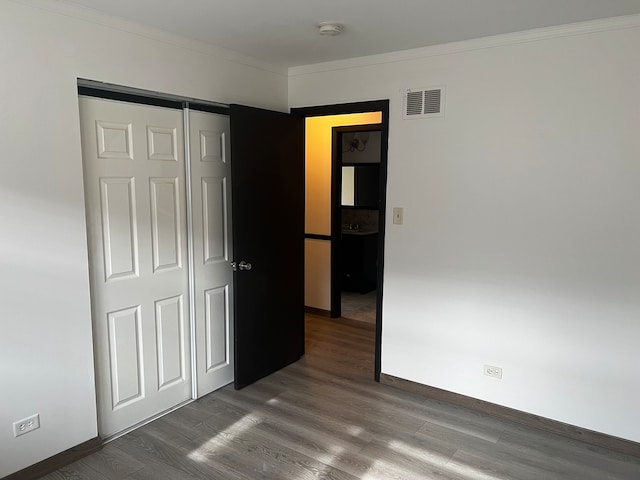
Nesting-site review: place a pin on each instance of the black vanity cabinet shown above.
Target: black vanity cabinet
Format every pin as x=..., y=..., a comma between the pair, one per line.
x=358, y=260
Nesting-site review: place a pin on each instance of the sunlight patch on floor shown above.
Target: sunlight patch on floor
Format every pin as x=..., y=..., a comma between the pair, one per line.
x=333, y=452
x=378, y=469
x=431, y=457
x=223, y=437
x=443, y=462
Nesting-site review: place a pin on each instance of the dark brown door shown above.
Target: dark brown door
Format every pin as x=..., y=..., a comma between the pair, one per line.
x=267, y=151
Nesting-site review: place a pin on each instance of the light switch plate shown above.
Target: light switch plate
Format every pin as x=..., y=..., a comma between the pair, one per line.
x=397, y=215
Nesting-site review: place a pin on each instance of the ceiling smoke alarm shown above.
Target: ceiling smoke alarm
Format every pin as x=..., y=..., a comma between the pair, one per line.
x=330, y=28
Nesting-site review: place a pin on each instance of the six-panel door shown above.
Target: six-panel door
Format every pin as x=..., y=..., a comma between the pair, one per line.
x=212, y=249
x=137, y=227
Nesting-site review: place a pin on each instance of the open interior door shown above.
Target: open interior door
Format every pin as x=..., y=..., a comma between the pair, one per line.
x=267, y=151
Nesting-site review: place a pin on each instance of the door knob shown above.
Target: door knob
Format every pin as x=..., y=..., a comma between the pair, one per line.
x=240, y=266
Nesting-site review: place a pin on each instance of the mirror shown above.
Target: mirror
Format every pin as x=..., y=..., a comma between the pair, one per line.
x=348, y=186
x=359, y=160
x=360, y=185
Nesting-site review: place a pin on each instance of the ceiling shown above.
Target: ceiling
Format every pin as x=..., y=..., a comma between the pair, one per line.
x=284, y=32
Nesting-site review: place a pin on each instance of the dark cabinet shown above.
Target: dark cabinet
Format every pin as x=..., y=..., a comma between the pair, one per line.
x=367, y=185
x=358, y=261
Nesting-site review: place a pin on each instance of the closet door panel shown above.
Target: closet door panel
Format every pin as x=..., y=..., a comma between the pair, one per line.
x=134, y=169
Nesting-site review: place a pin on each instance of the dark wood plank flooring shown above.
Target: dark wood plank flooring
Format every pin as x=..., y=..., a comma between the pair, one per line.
x=324, y=417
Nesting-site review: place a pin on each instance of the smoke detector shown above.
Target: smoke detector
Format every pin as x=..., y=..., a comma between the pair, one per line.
x=330, y=28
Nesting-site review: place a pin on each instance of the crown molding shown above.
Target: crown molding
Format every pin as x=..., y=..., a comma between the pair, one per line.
x=69, y=9
x=535, y=35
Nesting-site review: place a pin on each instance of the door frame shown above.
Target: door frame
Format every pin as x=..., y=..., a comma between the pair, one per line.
x=336, y=207
x=341, y=109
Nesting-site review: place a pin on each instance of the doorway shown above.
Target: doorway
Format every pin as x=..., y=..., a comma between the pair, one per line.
x=322, y=246
x=356, y=156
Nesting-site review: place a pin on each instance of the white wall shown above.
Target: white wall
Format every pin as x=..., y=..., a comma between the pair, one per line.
x=521, y=239
x=46, y=363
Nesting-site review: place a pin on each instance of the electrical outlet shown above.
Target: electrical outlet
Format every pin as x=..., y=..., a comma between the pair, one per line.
x=491, y=371
x=26, y=425
x=397, y=216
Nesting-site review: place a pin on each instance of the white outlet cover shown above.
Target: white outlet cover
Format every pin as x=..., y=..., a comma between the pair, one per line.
x=26, y=425
x=493, y=371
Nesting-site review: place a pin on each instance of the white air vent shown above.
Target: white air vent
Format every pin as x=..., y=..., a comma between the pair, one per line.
x=423, y=102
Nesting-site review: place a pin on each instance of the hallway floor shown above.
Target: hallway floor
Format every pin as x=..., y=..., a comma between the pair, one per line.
x=356, y=306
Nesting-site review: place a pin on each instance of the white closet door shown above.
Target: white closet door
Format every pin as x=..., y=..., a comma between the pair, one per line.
x=212, y=252
x=135, y=200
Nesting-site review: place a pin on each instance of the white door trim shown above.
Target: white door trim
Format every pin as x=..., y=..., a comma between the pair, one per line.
x=190, y=262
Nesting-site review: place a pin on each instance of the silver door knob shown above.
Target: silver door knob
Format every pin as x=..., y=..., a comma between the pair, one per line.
x=240, y=266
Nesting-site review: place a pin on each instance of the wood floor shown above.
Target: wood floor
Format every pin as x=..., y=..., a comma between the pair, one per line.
x=324, y=417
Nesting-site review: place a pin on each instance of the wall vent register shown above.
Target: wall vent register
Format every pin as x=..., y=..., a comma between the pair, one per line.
x=423, y=102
